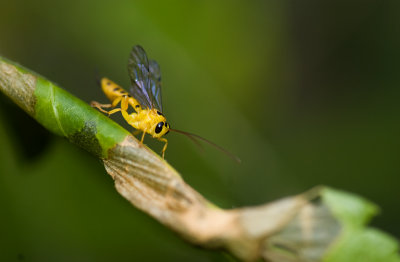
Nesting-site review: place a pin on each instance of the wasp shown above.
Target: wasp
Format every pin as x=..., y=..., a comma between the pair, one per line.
x=145, y=99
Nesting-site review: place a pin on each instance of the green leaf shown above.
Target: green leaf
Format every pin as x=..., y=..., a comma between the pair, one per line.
x=358, y=243
x=352, y=210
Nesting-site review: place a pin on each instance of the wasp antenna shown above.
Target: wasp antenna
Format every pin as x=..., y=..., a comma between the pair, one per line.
x=196, y=142
x=193, y=137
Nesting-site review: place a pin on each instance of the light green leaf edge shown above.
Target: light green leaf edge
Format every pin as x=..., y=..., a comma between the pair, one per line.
x=358, y=243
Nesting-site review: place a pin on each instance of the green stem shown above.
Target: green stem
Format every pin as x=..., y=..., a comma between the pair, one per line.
x=59, y=111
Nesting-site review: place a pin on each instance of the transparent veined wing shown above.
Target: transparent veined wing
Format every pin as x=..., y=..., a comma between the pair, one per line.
x=145, y=79
x=155, y=83
x=138, y=65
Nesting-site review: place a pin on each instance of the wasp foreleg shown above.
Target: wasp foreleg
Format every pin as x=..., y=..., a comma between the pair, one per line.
x=165, y=145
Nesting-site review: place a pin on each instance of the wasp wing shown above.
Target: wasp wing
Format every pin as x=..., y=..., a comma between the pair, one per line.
x=155, y=83
x=145, y=79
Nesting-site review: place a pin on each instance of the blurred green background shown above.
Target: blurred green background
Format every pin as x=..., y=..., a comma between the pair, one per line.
x=304, y=92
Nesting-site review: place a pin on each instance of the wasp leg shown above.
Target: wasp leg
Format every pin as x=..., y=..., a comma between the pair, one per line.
x=124, y=103
x=165, y=146
x=100, y=106
x=113, y=111
x=114, y=104
x=129, y=118
x=144, y=133
x=141, y=140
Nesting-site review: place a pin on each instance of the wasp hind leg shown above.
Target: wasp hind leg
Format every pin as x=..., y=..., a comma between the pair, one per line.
x=100, y=106
x=113, y=111
x=124, y=105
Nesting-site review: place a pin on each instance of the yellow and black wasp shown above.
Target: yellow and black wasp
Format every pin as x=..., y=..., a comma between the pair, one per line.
x=145, y=99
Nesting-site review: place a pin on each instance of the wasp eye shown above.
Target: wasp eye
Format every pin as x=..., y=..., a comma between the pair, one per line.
x=159, y=127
